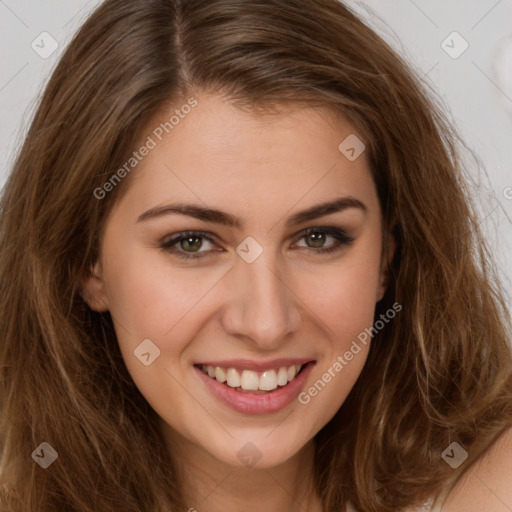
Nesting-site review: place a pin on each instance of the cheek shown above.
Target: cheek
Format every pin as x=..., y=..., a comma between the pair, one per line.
x=345, y=302
x=148, y=296
x=344, y=296
x=150, y=301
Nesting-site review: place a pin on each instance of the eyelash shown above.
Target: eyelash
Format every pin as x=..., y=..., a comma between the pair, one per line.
x=341, y=237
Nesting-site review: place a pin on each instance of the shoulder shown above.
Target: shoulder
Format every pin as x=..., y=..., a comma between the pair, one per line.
x=486, y=484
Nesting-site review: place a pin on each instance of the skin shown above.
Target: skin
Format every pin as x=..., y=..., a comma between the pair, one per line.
x=292, y=301
x=289, y=302
x=486, y=484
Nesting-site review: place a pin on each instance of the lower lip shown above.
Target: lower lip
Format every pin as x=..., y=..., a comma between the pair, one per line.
x=257, y=404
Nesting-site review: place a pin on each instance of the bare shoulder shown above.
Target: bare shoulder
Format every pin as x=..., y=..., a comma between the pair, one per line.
x=487, y=484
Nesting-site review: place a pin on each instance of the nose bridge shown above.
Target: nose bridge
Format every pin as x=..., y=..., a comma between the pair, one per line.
x=262, y=306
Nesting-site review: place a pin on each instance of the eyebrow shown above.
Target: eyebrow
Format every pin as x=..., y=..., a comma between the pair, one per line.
x=219, y=217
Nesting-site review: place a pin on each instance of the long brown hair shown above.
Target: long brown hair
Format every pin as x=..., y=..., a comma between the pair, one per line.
x=441, y=372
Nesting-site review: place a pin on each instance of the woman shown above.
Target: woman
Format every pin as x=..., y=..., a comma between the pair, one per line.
x=228, y=276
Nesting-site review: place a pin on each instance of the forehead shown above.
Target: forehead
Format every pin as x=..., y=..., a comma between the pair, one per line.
x=217, y=153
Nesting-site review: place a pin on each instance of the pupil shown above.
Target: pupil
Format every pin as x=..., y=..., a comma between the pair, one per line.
x=317, y=239
x=188, y=242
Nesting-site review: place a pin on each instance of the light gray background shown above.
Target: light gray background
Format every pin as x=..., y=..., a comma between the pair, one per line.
x=476, y=87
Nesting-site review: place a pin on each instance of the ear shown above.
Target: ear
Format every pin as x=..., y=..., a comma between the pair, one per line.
x=94, y=289
x=384, y=267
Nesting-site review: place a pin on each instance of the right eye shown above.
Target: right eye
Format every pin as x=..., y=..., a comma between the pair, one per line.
x=187, y=244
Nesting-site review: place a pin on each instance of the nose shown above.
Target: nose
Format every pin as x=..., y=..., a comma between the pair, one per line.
x=261, y=306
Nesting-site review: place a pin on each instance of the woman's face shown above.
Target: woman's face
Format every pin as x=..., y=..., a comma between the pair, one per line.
x=255, y=295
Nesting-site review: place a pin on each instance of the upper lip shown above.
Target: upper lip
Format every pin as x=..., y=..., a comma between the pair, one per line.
x=256, y=366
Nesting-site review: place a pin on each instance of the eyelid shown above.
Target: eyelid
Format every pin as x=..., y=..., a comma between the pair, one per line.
x=335, y=232
x=340, y=235
x=169, y=242
x=212, y=238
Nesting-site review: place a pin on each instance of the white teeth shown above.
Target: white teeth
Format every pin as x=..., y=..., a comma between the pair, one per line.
x=268, y=381
x=282, y=376
x=220, y=374
x=233, y=378
x=249, y=380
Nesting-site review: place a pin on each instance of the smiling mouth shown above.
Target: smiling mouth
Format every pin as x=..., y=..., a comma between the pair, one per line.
x=248, y=381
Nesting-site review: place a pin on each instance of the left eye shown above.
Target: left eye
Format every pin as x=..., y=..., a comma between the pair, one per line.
x=318, y=236
x=191, y=242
